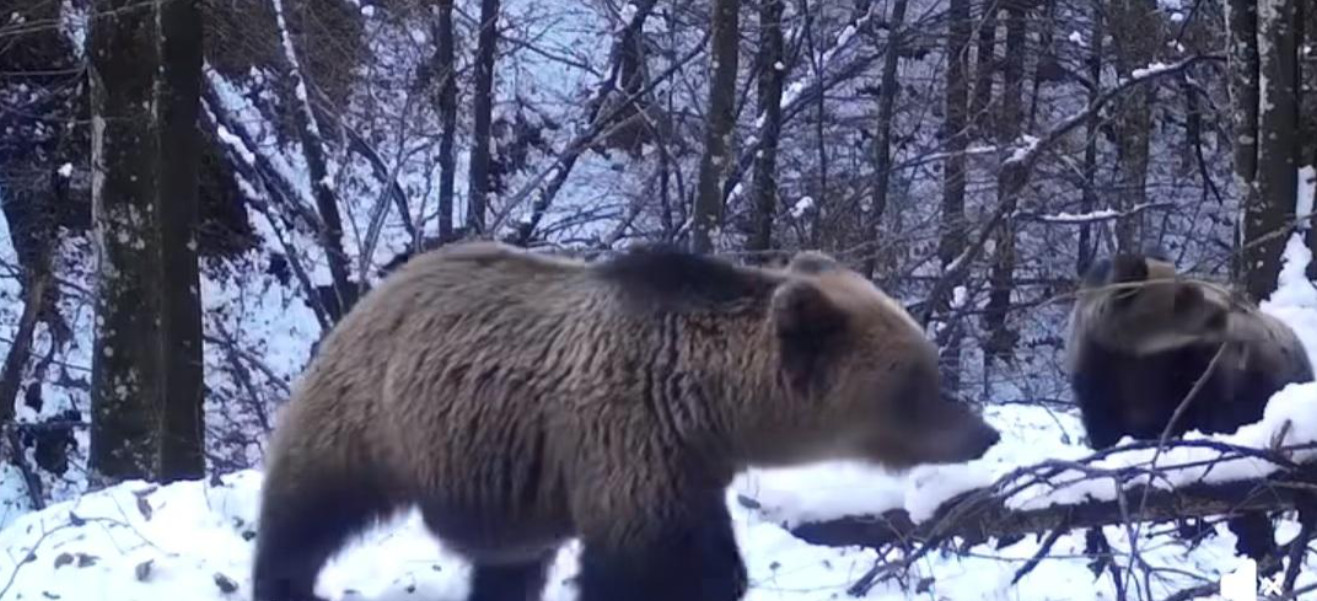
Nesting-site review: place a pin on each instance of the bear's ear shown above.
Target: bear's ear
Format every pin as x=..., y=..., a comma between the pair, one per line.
x=1191, y=300
x=1128, y=268
x=807, y=323
x=804, y=315
x=812, y=263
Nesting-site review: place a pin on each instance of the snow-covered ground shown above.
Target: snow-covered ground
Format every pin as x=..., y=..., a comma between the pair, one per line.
x=193, y=540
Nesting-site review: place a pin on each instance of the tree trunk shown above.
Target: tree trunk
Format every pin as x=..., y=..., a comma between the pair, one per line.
x=182, y=453
x=772, y=71
x=37, y=283
x=1242, y=64
x=1010, y=182
x=882, y=140
x=951, y=241
x=147, y=378
x=1267, y=220
x=128, y=377
x=1307, y=78
x=985, y=68
x=317, y=168
x=478, y=189
x=718, y=133
x=1136, y=35
x=1092, y=131
x=445, y=59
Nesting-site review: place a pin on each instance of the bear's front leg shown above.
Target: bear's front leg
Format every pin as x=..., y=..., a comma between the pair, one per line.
x=665, y=553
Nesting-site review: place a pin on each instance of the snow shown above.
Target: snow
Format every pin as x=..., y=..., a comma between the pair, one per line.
x=802, y=205
x=1029, y=144
x=1151, y=69
x=1076, y=38
x=188, y=539
x=792, y=92
x=628, y=13
x=236, y=145
x=66, y=170
x=1292, y=412
x=1307, y=194
x=1295, y=298
x=1067, y=217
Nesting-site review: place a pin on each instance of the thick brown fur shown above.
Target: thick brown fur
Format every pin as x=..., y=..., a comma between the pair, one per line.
x=1142, y=336
x=521, y=400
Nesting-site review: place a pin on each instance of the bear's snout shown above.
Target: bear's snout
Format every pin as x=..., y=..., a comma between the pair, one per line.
x=983, y=438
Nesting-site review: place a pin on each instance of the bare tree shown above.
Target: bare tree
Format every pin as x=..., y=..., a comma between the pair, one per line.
x=882, y=143
x=722, y=118
x=330, y=226
x=1264, y=106
x=181, y=454
x=1088, y=196
x=146, y=415
x=951, y=240
x=482, y=113
x=1307, y=82
x=1277, y=176
x=1136, y=34
x=446, y=64
x=126, y=377
x=772, y=72
x=1010, y=181
x=985, y=66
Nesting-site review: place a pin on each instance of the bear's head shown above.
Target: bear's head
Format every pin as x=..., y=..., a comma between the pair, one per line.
x=860, y=378
x=1138, y=305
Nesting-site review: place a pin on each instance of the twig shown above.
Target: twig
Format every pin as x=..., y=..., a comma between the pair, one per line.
x=31, y=480
x=1299, y=546
x=1024, y=160
x=561, y=166
x=1043, y=550
x=1194, y=592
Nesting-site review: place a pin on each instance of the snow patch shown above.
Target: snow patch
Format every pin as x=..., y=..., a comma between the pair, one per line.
x=802, y=205
x=1307, y=194
x=1151, y=69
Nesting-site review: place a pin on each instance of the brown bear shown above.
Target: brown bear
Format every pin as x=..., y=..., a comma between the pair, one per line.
x=1141, y=337
x=521, y=400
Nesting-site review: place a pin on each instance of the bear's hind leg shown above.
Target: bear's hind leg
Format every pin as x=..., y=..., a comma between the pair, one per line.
x=695, y=561
x=509, y=582
x=301, y=527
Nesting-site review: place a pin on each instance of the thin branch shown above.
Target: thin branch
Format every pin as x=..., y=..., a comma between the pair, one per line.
x=561, y=167
x=1024, y=160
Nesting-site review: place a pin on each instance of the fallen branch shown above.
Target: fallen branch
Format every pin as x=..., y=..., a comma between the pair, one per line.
x=982, y=514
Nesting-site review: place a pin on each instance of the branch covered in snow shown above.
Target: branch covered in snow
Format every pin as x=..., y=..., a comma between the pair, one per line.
x=993, y=512
x=1095, y=216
